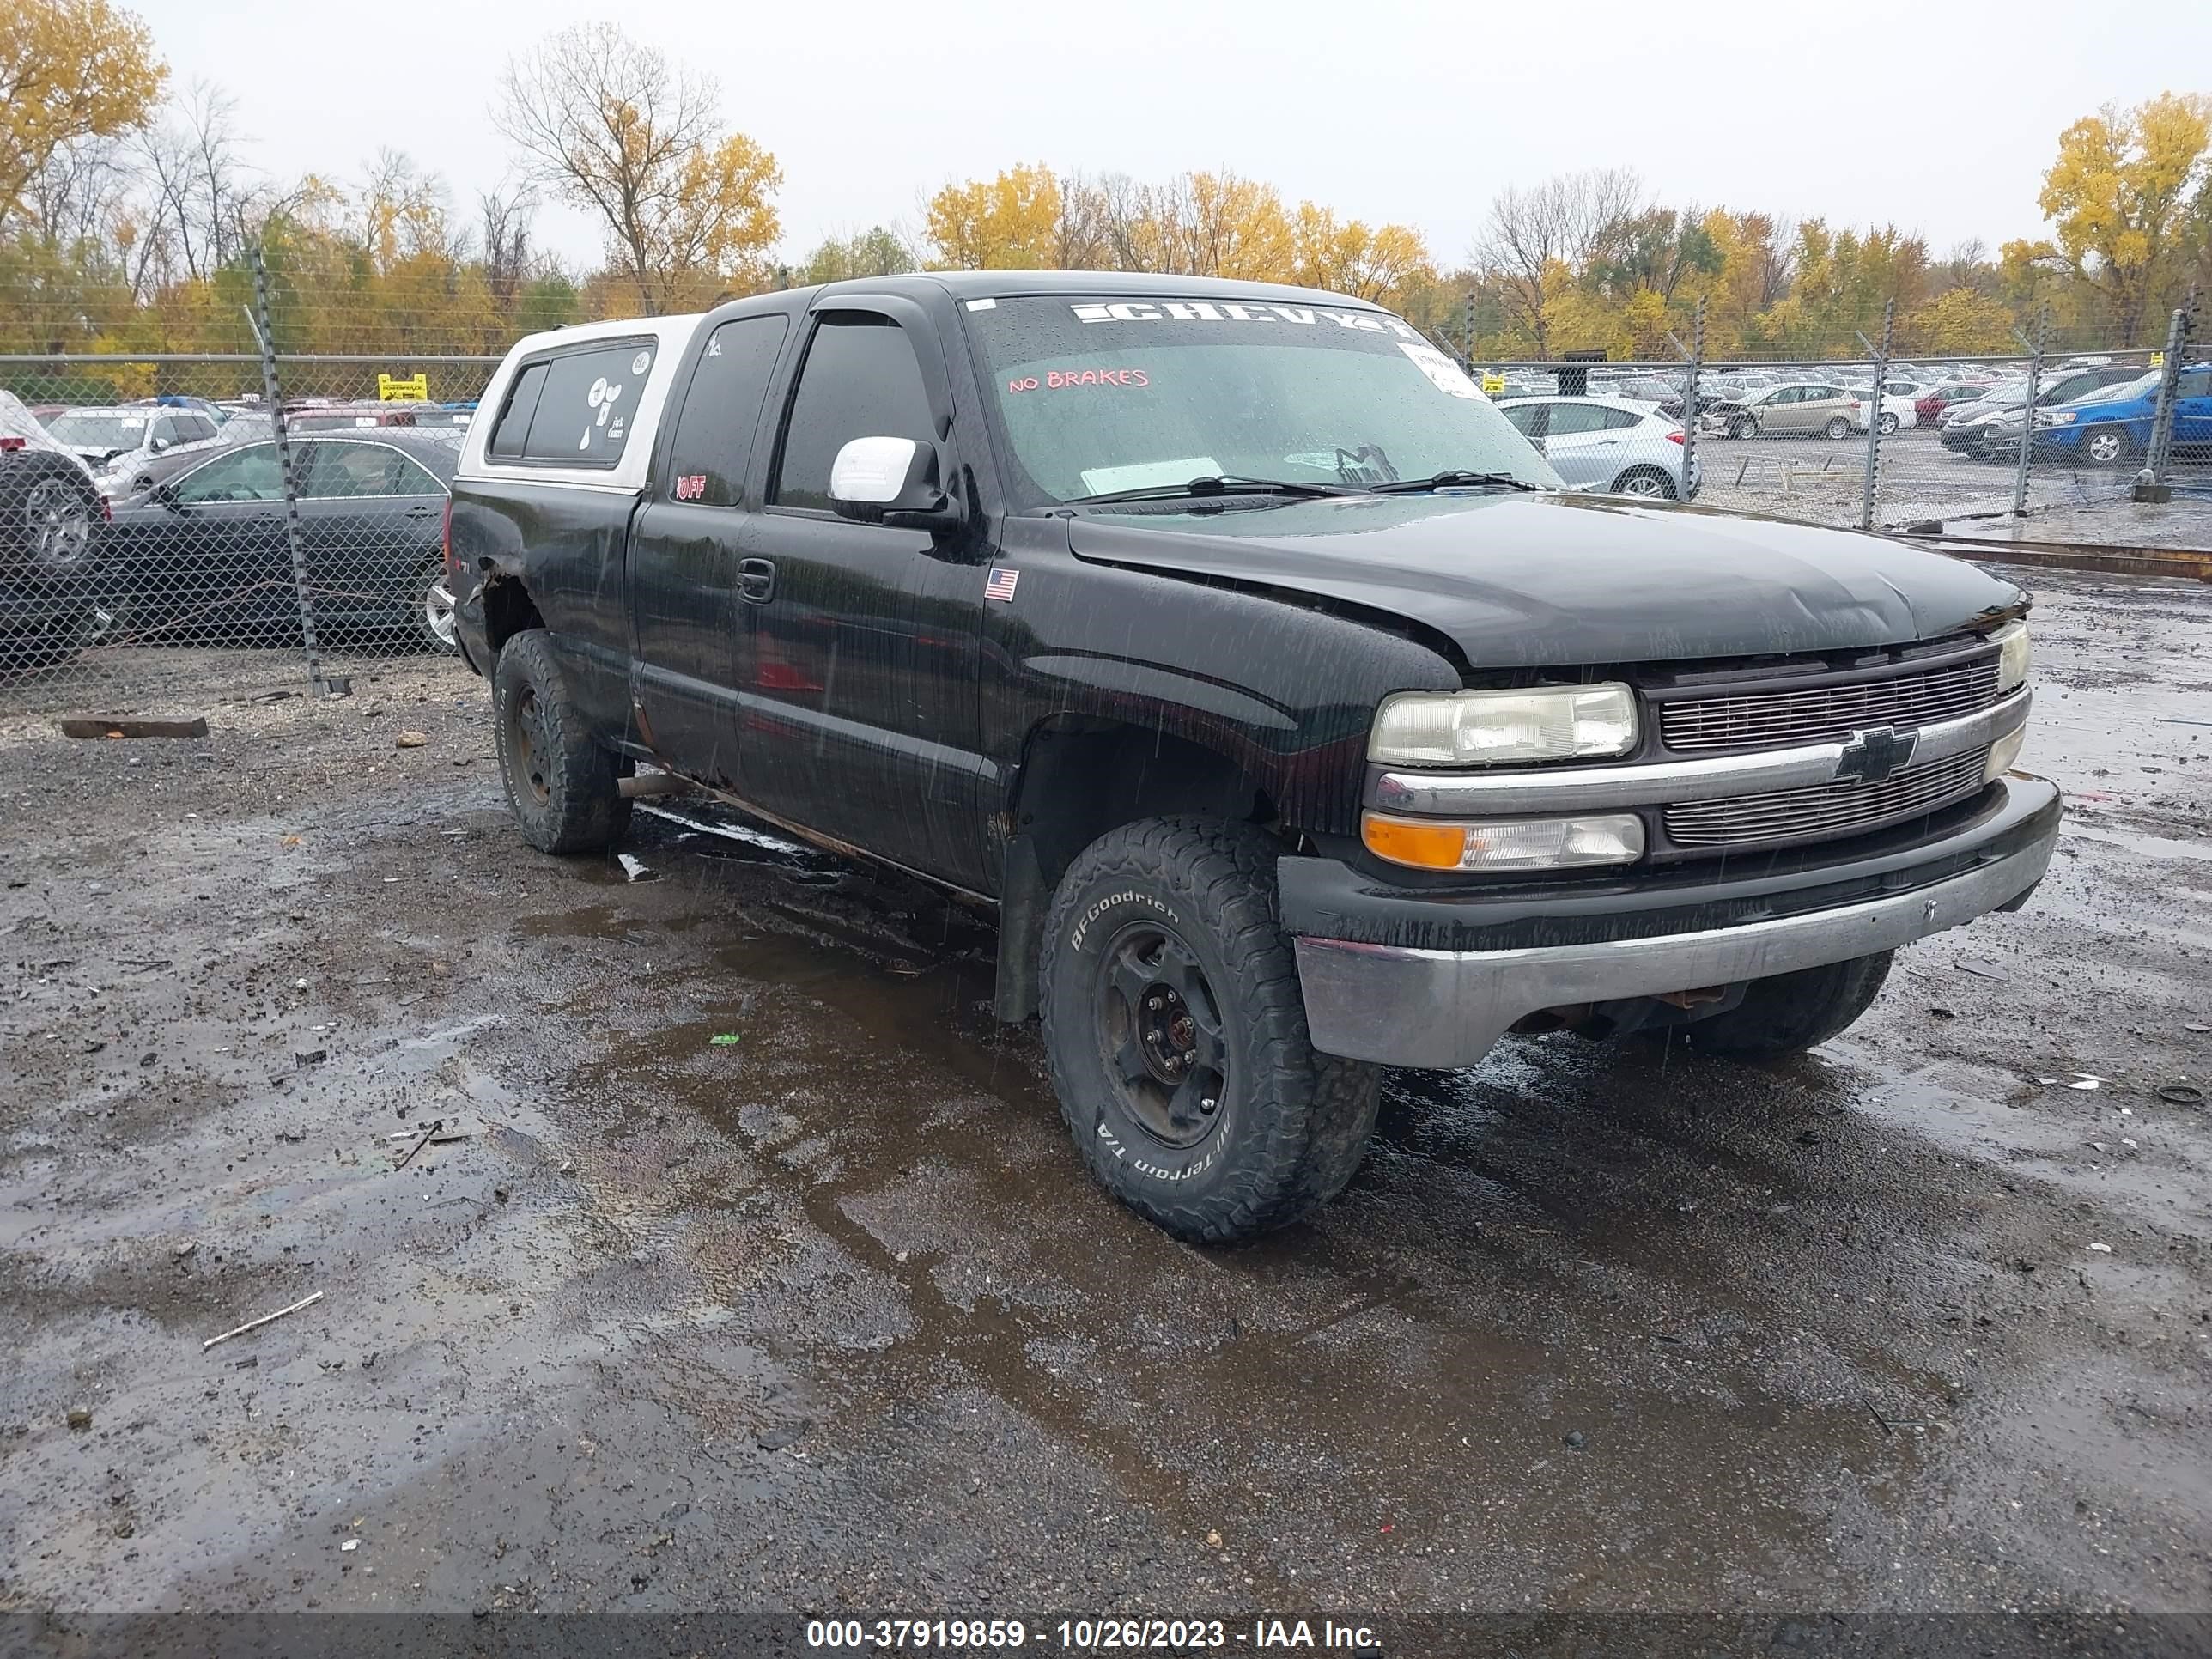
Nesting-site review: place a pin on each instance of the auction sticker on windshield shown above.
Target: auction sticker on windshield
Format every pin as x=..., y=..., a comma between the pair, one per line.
x=1443, y=373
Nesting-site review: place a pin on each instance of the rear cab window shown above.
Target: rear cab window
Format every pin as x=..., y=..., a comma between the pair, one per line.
x=574, y=408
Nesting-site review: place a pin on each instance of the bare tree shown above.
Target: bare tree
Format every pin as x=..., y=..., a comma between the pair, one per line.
x=1561, y=224
x=609, y=125
x=505, y=217
x=200, y=192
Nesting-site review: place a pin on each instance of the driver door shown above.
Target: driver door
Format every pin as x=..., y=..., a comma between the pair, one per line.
x=858, y=663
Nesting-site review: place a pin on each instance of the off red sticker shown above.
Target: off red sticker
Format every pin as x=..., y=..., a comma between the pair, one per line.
x=691, y=487
x=1055, y=379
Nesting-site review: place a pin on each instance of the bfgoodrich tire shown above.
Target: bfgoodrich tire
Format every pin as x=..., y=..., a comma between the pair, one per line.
x=1791, y=1013
x=564, y=788
x=1177, y=1041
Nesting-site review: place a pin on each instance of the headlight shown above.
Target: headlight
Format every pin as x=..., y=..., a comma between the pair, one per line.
x=1504, y=728
x=2057, y=417
x=1510, y=845
x=2011, y=642
x=2002, y=753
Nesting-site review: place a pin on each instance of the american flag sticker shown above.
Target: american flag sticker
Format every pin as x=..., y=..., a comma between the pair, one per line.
x=1001, y=584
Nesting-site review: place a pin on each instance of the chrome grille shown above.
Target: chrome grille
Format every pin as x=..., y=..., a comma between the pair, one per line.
x=1777, y=719
x=1826, y=810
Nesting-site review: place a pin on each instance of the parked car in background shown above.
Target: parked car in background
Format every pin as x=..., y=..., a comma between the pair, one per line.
x=1794, y=409
x=1892, y=410
x=1607, y=444
x=51, y=513
x=205, y=553
x=112, y=440
x=1928, y=408
x=1969, y=428
x=349, y=416
x=141, y=474
x=2111, y=426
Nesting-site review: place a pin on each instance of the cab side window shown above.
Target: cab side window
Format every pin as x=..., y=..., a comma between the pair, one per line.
x=714, y=442
x=861, y=380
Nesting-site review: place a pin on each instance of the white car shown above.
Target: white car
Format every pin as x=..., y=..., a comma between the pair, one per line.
x=1896, y=409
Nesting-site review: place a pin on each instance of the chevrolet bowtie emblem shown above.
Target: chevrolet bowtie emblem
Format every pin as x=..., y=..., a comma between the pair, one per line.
x=1874, y=754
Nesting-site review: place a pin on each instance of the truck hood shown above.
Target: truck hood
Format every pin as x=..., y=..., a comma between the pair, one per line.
x=1561, y=580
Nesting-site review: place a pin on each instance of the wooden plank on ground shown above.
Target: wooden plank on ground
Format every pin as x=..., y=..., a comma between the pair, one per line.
x=122, y=726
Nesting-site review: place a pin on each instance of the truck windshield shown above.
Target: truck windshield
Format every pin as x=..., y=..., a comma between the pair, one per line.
x=1102, y=397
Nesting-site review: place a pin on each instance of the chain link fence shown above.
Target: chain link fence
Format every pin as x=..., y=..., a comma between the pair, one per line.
x=277, y=519
x=279, y=515
x=1883, y=440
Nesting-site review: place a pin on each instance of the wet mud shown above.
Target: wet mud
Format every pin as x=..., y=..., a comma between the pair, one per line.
x=764, y=1275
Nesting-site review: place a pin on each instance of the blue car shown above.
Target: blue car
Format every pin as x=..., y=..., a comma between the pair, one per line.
x=2112, y=428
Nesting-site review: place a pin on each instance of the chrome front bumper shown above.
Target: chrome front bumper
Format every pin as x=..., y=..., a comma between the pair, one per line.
x=1444, y=1009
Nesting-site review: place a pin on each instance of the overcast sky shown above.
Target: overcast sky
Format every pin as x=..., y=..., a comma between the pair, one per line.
x=1938, y=116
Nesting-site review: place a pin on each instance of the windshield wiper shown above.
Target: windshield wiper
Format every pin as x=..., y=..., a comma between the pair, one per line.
x=1218, y=484
x=1454, y=480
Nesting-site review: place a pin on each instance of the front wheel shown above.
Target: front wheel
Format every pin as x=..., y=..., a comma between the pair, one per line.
x=1743, y=427
x=1789, y=1014
x=1176, y=1035
x=565, y=788
x=2106, y=445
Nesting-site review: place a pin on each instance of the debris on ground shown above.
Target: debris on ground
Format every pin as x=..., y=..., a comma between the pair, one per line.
x=185, y=1248
x=349, y=1546
x=312, y=1057
x=195, y=727
x=78, y=1417
x=1981, y=968
x=633, y=868
x=2181, y=1094
x=2102, y=1249
x=422, y=1139
x=724, y=1040
x=411, y=740
x=256, y=1324
x=782, y=1435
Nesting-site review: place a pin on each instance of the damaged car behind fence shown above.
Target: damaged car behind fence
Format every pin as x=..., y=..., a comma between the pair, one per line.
x=1244, y=660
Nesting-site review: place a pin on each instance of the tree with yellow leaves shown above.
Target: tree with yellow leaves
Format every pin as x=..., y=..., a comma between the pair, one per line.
x=2121, y=196
x=611, y=126
x=69, y=70
x=1010, y=222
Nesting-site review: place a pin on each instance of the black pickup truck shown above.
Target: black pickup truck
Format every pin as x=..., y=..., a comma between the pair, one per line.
x=1230, y=645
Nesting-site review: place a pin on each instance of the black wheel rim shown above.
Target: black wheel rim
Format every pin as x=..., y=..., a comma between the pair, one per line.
x=1159, y=1031
x=528, y=746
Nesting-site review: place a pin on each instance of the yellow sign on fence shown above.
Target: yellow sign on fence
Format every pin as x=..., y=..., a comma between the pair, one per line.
x=1494, y=384
x=414, y=389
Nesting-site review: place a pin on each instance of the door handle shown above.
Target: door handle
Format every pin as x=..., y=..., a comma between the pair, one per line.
x=757, y=580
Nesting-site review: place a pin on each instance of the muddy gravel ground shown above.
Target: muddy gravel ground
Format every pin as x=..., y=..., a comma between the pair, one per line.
x=764, y=1277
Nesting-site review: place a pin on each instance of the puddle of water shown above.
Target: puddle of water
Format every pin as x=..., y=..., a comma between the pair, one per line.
x=591, y=921
x=2136, y=841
